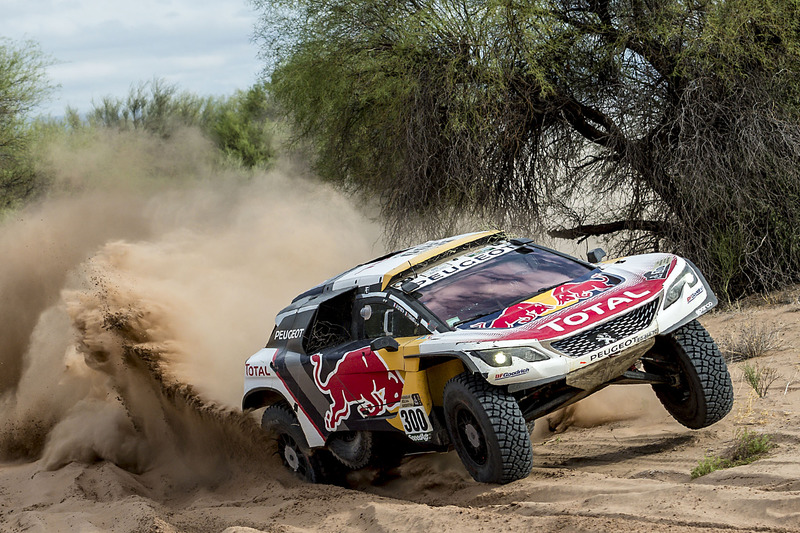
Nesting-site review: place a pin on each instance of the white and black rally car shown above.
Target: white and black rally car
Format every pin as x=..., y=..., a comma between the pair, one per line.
x=456, y=343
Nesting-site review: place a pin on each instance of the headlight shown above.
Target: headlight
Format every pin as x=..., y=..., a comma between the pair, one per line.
x=502, y=356
x=687, y=277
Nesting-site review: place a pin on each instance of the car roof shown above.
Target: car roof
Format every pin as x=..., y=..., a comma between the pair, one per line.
x=381, y=271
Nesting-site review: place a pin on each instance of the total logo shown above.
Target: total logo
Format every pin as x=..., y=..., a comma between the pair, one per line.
x=560, y=324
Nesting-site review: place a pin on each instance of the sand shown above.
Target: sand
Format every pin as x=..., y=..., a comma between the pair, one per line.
x=125, y=320
x=623, y=465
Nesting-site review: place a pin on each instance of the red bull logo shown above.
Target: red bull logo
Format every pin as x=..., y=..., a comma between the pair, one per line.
x=580, y=290
x=520, y=314
x=361, y=378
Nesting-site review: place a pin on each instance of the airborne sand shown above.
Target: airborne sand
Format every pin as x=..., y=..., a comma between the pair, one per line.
x=126, y=315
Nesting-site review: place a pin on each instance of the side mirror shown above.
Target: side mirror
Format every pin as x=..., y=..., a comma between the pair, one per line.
x=384, y=343
x=596, y=255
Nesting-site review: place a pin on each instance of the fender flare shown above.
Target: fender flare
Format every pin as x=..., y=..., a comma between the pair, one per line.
x=261, y=397
x=469, y=364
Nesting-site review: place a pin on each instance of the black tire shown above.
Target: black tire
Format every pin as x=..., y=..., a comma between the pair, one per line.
x=309, y=465
x=487, y=430
x=351, y=448
x=704, y=392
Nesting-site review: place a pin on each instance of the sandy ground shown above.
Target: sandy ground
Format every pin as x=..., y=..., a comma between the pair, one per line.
x=619, y=463
x=125, y=319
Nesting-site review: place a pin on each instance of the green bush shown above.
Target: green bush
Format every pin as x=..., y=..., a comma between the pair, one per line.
x=23, y=85
x=746, y=448
x=242, y=129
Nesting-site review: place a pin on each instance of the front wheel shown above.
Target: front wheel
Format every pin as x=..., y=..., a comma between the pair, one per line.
x=487, y=430
x=281, y=423
x=702, y=393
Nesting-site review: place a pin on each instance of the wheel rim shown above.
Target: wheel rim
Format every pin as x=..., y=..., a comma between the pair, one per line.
x=292, y=458
x=471, y=435
x=676, y=393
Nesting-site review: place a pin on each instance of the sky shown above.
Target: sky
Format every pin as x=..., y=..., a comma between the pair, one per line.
x=103, y=47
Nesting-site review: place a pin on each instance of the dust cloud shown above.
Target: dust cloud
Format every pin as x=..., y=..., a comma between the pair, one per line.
x=618, y=403
x=130, y=299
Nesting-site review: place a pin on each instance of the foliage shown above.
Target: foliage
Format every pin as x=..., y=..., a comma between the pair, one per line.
x=754, y=339
x=673, y=125
x=154, y=106
x=747, y=447
x=760, y=377
x=23, y=85
x=240, y=125
x=243, y=130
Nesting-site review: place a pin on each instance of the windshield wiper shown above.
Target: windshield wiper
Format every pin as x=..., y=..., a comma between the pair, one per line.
x=542, y=291
x=475, y=317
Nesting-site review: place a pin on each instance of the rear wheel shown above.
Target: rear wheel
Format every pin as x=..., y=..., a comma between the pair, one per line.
x=703, y=392
x=487, y=430
x=352, y=448
x=280, y=421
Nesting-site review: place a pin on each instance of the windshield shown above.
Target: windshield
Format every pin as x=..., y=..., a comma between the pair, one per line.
x=486, y=281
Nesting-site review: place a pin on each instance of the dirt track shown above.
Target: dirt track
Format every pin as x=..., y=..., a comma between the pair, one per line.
x=600, y=473
x=125, y=319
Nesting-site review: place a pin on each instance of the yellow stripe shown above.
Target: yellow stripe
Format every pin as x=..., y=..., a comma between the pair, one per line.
x=428, y=254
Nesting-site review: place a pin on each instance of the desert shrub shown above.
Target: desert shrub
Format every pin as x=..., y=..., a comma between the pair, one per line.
x=760, y=377
x=754, y=339
x=242, y=128
x=747, y=447
x=23, y=86
x=240, y=125
x=154, y=106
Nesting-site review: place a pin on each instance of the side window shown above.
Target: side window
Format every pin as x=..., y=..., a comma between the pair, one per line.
x=332, y=324
x=378, y=319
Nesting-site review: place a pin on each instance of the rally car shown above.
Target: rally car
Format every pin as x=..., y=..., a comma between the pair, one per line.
x=458, y=342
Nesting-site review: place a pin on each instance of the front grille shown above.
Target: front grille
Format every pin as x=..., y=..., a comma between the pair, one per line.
x=616, y=329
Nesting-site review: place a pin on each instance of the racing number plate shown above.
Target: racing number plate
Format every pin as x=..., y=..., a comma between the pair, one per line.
x=416, y=423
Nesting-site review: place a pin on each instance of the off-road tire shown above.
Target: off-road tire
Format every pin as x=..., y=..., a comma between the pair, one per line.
x=704, y=394
x=314, y=466
x=487, y=430
x=353, y=448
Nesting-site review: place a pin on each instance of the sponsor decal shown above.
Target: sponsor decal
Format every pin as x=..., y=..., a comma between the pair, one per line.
x=410, y=400
x=424, y=247
x=520, y=314
x=565, y=295
x=581, y=290
x=704, y=308
x=660, y=269
x=515, y=373
x=460, y=264
x=695, y=294
x=598, y=309
x=657, y=273
x=613, y=350
x=288, y=334
x=362, y=379
x=421, y=437
x=254, y=371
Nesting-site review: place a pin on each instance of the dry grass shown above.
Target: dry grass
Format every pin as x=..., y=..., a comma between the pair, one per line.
x=754, y=339
x=760, y=377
